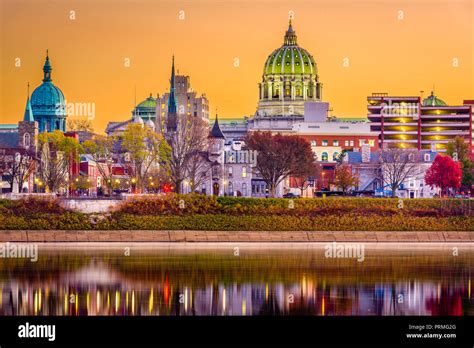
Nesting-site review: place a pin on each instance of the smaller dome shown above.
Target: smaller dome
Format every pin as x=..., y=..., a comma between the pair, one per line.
x=138, y=119
x=432, y=100
x=150, y=124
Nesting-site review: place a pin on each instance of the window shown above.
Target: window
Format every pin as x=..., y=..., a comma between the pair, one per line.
x=335, y=156
x=411, y=157
x=26, y=140
x=346, y=143
x=203, y=189
x=231, y=189
x=335, y=143
x=325, y=143
x=427, y=157
x=230, y=172
x=351, y=143
x=244, y=172
x=244, y=189
x=361, y=142
x=313, y=142
x=324, y=157
x=371, y=142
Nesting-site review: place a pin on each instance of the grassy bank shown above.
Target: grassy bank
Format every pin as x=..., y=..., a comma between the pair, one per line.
x=196, y=212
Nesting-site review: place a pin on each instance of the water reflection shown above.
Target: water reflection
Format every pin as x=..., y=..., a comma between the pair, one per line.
x=262, y=280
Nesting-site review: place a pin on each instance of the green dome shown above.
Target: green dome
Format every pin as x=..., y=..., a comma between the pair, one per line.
x=149, y=102
x=432, y=100
x=290, y=58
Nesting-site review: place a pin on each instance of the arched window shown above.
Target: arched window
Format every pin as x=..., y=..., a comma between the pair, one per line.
x=26, y=140
x=324, y=157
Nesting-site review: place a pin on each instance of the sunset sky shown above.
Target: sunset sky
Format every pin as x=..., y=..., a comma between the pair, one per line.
x=399, y=47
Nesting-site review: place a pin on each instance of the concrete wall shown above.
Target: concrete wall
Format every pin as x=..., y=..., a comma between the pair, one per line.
x=90, y=205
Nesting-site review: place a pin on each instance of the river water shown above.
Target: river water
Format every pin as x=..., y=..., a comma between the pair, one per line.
x=240, y=279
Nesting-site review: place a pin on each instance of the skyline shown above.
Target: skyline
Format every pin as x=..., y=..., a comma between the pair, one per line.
x=88, y=73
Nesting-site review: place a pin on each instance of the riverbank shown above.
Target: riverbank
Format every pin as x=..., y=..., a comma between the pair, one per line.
x=60, y=236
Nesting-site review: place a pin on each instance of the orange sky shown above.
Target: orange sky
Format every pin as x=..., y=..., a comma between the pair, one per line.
x=385, y=54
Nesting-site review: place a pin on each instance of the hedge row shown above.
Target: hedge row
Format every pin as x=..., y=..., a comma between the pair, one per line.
x=199, y=204
x=221, y=222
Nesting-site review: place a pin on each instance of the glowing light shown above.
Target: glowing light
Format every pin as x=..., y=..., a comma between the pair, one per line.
x=117, y=301
x=150, y=301
x=244, y=307
x=98, y=301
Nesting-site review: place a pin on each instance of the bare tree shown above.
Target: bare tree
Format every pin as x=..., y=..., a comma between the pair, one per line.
x=196, y=170
x=102, y=151
x=397, y=165
x=189, y=137
x=18, y=164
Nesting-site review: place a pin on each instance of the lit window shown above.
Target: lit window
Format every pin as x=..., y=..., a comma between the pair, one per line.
x=335, y=156
x=361, y=142
x=335, y=143
x=325, y=143
x=351, y=143
x=324, y=157
x=313, y=142
x=244, y=172
x=371, y=142
x=346, y=143
x=427, y=157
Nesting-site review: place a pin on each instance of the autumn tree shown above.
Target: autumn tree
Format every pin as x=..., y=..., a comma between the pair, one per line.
x=146, y=149
x=185, y=142
x=103, y=152
x=445, y=174
x=279, y=156
x=397, y=165
x=344, y=179
x=458, y=150
x=56, y=154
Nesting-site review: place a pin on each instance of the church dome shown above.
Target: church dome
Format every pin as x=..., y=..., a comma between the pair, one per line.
x=290, y=58
x=48, y=103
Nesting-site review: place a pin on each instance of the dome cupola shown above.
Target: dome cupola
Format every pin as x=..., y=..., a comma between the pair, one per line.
x=48, y=103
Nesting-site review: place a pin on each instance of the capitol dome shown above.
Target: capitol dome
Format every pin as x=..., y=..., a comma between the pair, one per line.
x=48, y=103
x=290, y=58
x=290, y=78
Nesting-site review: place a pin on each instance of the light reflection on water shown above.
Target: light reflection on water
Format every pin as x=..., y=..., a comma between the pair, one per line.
x=211, y=279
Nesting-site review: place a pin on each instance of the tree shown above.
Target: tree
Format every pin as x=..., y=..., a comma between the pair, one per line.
x=458, y=150
x=444, y=173
x=302, y=178
x=18, y=164
x=196, y=170
x=57, y=153
x=80, y=125
x=344, y=178
x=146, y=149
x=102, y=151
x=279, y=156
x=397, y=165
x=189, y=138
